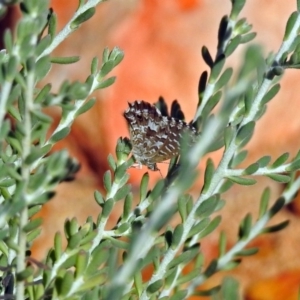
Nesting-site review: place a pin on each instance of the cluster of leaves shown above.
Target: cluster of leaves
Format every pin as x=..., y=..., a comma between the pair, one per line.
x=102, y=263
x=29, y=171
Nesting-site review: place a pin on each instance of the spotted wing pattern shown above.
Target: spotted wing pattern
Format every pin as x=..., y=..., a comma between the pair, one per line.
x=154, y=137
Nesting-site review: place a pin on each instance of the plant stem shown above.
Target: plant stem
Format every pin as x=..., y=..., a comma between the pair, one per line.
x=6, y=89
x=67, y=30
x=26, y=143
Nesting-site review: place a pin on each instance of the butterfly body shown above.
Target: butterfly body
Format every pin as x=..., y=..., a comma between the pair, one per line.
x=154, y=137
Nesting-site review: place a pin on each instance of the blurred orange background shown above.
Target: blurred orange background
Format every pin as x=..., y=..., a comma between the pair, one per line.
x=162, y=43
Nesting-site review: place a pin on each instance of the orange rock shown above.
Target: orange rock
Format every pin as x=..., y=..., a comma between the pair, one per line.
x=282, y=286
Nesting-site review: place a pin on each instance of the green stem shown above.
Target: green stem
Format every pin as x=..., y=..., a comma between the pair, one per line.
x=6, y=89
x=67, y=30
x=26, y=143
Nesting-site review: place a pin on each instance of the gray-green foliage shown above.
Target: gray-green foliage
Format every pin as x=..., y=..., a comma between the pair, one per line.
x=29, y=172
x=107, y=263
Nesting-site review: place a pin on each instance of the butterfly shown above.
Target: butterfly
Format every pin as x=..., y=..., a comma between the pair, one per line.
x=154, y=135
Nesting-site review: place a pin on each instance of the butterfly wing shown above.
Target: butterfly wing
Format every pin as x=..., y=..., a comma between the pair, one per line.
x=154, y=137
